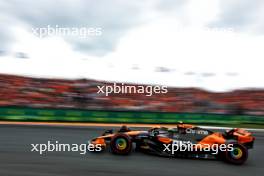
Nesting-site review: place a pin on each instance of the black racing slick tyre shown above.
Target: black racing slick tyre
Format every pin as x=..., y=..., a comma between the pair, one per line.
x=121, y=144
x=237, y=156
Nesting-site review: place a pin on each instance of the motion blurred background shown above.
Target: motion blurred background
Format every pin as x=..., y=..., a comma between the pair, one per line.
x=27, y=99
x=83, y=94
x=208, y=53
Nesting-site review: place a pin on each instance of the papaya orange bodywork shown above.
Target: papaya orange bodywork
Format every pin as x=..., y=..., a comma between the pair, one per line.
x=243, y=136
x=215, y=138
x=185, y=126
x=165, y=140
x=100, y=141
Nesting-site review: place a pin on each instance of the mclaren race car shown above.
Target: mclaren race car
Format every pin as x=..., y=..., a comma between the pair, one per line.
x=187, y=141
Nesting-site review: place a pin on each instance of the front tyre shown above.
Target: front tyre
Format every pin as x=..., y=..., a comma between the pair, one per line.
x=238, y=155
x=121, y=144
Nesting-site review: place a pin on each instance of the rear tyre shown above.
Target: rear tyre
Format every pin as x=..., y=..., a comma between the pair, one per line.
x=121, y=144
x=238, y=155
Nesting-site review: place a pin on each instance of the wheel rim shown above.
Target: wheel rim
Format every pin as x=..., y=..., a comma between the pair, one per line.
x=121, y=144
x=237, y=153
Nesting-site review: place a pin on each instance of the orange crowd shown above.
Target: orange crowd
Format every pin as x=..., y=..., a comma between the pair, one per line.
x=82, y=94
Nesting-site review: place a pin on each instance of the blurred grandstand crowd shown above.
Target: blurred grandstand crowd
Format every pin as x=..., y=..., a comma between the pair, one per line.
x=82, y=94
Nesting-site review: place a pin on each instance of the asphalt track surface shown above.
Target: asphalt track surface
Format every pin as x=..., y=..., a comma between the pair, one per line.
x=16, y=158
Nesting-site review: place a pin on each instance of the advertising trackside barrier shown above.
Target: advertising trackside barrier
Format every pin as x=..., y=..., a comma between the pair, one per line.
x=75, y=115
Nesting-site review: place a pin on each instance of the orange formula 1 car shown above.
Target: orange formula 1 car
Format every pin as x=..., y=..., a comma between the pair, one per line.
x=185, y=140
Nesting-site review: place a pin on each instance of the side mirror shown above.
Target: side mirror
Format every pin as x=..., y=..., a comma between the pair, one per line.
x=108, y=132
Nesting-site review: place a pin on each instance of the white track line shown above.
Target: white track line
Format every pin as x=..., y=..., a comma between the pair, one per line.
x=111, y=125
x=228, y=128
